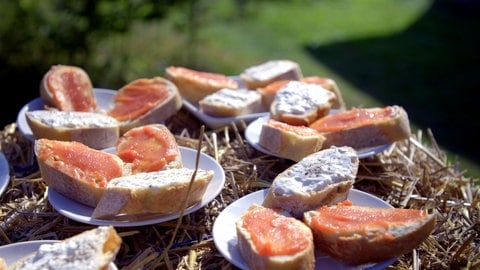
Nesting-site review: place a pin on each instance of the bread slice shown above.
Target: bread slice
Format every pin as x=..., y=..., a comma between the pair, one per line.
x=291, y=142
x=145, y=101
x=298, y=103
x=96, y=130
x=364, y=127
x=94, y=249
x=269, y=240
x=231, y=102
x=267, y=72
x=195, y=85
x=148, y=148
x=159, y=192
x=75, y=170
x=322, y=178
x=344, y=233
x=68, y=88
x=269, y=91
x=331, y=85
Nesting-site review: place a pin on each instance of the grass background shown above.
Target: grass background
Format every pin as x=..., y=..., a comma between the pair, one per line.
x=421, y=54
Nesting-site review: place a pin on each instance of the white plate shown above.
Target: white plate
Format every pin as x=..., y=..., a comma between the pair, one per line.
x=83, y=213
x=4, y=173
x=252, y=134
x=225, y=235
x=13, y=252
x=104, y=99
x=217, y=122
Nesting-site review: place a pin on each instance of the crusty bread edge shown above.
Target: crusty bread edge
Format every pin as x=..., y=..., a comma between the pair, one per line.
x=358, y=249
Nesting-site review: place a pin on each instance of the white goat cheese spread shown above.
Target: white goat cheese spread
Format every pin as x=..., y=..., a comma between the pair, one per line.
x=72, y=119
x=298, y=98
x=269, y=69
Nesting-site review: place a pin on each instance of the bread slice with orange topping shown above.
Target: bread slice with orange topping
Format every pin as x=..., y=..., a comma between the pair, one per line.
x=68, y=88
x=364, y=127
x=322, y=178
x=361, y=234
x=269, y=240
x=145, y=101
x=288, y=141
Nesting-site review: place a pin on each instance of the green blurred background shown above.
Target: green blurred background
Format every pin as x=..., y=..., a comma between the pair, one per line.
x=421, y=54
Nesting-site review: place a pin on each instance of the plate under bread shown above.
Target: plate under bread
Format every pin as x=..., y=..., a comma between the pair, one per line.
x=252, y=134
x=225, y=236
x=104, y=99
x=14, y=252
x=83, y=213
x=4, y=173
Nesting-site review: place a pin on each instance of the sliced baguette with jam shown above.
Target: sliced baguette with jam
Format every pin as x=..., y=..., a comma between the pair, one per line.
x=364, y=127
x=96, y=130
x=288, y=141
x=322, y=178
x=145, y=101
x=269, y=240
x=362, y=234
x=94, y=249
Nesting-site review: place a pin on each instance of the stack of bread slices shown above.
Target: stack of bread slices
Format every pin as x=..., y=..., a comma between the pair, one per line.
x=307, y=209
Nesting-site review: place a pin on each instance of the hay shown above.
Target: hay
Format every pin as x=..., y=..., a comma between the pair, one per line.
x=414, y=173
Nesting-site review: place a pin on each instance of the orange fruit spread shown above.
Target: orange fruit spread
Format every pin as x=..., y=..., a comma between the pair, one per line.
x=300, y=130
x=71, y=90
x=148, y=148
x=350, y=119
x=274, y=86
x=209, y=78
x=137, y=98
x=274, y=234
x=79, y=161
x=347, y=219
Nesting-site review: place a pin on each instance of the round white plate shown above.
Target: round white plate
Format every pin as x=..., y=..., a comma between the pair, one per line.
x=104, y=99
x=225, y=235
x=14, y=252
x=217, y=122
x=4, y=173
x=252, y=134
x=83, y=213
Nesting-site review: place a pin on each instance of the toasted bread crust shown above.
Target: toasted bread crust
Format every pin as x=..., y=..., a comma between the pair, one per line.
x=358, y=248
x=302, y=260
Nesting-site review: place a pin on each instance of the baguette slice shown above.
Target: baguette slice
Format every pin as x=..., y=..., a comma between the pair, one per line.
x=148, y=148
x=298, y=103
x=231, y=102
x=322, y=178
x=94, y=249
x=68, y=88
x=288, y=141
x=75, y=170
x=145, y=101
x=330, y=85
x=96, y=130
x=267, y=72
x=159, y=193
x=362, y=128
x=195, y=85
x=269, y=240
x=361, y=234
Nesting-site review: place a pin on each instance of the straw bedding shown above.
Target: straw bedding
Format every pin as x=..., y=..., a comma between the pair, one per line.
x=414, y=173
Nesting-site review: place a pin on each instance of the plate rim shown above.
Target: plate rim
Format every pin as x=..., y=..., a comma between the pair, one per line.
x=216, y=185
x=253, y=139
x=249, y=198
x=4, y=173
x=37, y=102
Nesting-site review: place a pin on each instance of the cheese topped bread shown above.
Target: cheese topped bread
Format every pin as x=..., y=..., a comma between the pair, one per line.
x=159, y=193
x=298, y=103
x=267, y=72
x=93, y=129
x=322, y=178
x=94, y=249
x=231, y=102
